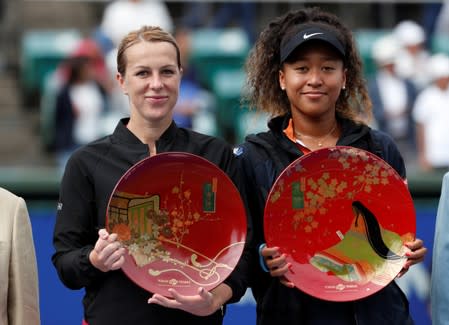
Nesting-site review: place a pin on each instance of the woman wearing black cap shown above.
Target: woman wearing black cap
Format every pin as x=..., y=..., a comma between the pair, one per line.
x=305, y=71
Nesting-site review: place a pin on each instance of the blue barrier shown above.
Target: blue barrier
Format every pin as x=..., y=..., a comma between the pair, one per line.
x=60, y=305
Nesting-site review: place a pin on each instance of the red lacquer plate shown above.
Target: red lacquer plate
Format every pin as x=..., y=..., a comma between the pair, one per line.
x=341, y=215
x=181, y=220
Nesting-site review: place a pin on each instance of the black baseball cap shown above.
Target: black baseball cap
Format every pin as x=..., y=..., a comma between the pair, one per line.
x=310, y=33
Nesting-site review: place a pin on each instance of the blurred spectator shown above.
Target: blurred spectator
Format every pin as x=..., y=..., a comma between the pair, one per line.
x=195, y=106
x=19, y=290
x=79, y=106
x=86, y=48
x=429, y=19
x=242, y=14
x=226, y=14
x=431, y=114
x=413, y=57
x=442, y=21
x=392, y=97
x=89, y=48
x=122, y=16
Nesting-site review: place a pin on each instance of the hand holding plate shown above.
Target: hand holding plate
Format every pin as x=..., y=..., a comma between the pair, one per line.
x=415, y=256
x=277, y=264
x=107, y=254
x=203, y=304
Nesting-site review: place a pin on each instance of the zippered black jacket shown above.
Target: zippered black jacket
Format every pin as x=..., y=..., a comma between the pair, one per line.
x=89, y=179
x=262, y=158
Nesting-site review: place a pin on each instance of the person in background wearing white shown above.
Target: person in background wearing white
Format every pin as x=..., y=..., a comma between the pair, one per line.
x=122, y=16
x=19, y=292
x=79, y=106
x=392, y=97
x=413, y=57
x=431, y=114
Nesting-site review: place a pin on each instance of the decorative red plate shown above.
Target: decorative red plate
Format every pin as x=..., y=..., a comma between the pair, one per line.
x=182, y=221
x=341, y=215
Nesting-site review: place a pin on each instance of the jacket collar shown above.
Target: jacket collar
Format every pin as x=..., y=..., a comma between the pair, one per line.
x=351, y=131
x=124, y=135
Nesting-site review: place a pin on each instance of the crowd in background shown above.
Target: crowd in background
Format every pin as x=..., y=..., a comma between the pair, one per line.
x=408, y=88
x=409, y=91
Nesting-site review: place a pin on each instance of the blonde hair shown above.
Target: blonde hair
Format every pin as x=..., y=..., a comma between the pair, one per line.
x=144, y=34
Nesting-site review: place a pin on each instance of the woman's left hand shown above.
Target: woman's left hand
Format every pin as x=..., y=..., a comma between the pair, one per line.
x=415, y=256
x=203, y=304
x=277, y=264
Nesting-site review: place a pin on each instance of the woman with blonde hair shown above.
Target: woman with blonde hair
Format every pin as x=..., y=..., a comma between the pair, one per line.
x=87, y=256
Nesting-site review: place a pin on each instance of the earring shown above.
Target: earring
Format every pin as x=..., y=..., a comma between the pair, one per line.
x=283, y=88
x=344, y=87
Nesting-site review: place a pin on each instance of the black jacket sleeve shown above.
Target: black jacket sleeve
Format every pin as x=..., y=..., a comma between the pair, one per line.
x=254, y=188
x=75, y=233
x=238, y=279
x=389, y=152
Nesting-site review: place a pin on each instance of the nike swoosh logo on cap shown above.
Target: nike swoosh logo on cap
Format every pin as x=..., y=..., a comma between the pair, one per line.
x=305, y=36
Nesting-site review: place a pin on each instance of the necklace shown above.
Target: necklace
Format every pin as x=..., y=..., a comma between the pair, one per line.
x=318, y=141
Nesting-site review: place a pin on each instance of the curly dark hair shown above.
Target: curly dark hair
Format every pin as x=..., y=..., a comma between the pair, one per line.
x=262, y=66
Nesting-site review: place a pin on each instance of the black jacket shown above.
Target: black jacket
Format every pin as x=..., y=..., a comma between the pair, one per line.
x=262, y=158
x=89, y=179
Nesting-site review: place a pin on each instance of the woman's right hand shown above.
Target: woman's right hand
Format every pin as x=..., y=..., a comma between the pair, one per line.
x=277, y=264
x=108, y=254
